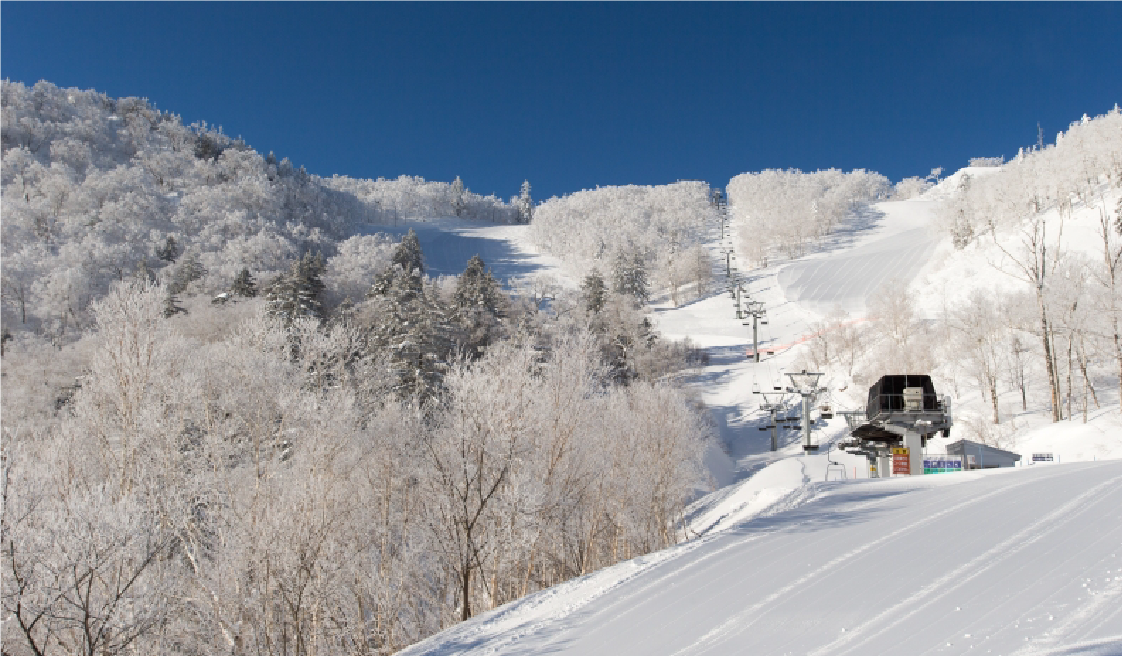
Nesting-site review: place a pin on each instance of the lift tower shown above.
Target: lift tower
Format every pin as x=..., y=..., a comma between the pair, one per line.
x=756, y=309
x=806, y=385
x=773, y=402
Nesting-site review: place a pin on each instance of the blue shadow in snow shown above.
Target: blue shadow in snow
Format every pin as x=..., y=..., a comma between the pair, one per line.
x=447, y=252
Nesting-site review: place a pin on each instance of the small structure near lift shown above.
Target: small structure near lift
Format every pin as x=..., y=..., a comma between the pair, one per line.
x=979, y=455
x=902, y=412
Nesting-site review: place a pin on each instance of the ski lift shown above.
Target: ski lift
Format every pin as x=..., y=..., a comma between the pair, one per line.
x=756, y=388
x=763, y=428
x=826, y=412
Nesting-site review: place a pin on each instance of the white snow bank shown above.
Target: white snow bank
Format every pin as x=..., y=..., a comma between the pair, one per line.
x=1072, y=440
x=948, y=186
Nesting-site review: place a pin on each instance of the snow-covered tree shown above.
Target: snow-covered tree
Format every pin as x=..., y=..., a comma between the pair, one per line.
x=525, y=204
x=244, y=284
x=629, y=276
x=297, y=292
x=594, y=290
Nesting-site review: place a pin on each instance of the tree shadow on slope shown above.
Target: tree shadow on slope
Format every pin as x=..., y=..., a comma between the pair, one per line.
x=847, y=234
x=836, y=510
x=447, y=252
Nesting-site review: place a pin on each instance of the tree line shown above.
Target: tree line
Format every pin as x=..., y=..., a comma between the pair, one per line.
x=660, y=229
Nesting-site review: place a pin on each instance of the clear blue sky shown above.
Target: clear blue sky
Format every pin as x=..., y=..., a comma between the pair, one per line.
x=571, y=96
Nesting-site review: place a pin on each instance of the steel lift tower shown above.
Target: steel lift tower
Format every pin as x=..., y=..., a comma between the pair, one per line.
x=806, y=385
x=756, y=309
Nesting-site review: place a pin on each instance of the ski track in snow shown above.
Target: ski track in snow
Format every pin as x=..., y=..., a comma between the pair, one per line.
x=953, y=580
x=703, y=599
x=745, y=619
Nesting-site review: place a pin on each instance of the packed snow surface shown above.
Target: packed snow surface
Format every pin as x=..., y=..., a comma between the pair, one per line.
x=995, y=562
x=895, y=249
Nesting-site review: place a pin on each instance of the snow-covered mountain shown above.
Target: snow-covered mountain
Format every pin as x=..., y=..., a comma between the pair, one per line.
x=575, y=408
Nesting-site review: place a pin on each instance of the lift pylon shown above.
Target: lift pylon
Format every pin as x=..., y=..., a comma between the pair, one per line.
x=806, y=385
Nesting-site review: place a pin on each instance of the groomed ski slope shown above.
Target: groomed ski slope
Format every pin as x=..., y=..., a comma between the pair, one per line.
x=992, y=562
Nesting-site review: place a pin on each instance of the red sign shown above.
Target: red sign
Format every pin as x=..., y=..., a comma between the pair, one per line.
x=901, y=464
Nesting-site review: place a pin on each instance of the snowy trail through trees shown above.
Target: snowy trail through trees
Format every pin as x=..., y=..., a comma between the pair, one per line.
x=448, y=244
x=868, y=567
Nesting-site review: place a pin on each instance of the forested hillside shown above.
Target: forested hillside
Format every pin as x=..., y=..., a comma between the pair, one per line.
x=657, y=231
x=231, y=425
x=97, y=188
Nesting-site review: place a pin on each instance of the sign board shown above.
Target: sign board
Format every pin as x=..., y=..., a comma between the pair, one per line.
x=938, y=464
x=900, y=464
x=1044, y=457
x=899, y=451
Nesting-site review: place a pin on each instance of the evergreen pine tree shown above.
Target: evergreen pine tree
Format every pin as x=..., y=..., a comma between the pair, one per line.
x=630, y=277
x=406, y=321
x=408, y=254
x=525, y=203
x=279, y=298
x=189, y=269
x=477, y=288
x=309, y=272
x=297, y=293
x=478, y=300
x=170, y=250
x=595, y=291
x=458, y=196
x=244, y=285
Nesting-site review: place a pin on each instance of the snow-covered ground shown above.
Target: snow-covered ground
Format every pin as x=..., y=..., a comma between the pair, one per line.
x=895, y=247
x=448, y=243
x=781, y=560
x=994, y=562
